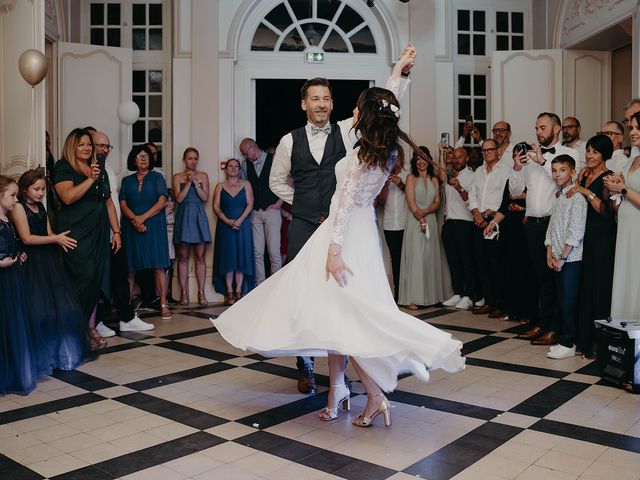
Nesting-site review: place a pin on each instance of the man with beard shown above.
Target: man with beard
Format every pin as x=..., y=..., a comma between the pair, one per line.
x=532, y=171
x=309, y=155
x=501, y=132
x=571, y=138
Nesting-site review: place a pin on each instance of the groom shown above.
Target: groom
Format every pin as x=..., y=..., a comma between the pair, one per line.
x=309, y=154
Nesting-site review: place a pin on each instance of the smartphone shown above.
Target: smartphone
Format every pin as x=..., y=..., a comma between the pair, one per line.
x=102, y=160
x=468, y=119
x=445, y=139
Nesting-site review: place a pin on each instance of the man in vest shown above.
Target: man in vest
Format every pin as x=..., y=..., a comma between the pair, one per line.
x=309, y=155
x=266, y=219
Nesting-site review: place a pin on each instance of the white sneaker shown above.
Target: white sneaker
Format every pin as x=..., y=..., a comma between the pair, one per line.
x=479, y=303
x=136, y=325
x=465, y=302
x=562, y=352
x=452, y=301
x=553, y=347
x=104, y=331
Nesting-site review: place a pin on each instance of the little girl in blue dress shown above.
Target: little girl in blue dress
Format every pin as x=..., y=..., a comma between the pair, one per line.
x=56, y=310
x=23, y=357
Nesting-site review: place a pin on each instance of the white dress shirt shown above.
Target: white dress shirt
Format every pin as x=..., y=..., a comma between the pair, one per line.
x=617, y=161
x=507, y=157
x=281, y=166
x=488, y=187
x=396, y=208
x=541, y=189
x=455, y=207
x=580, y=146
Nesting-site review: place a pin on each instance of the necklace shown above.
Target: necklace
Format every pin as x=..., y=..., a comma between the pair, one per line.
x=140, y=181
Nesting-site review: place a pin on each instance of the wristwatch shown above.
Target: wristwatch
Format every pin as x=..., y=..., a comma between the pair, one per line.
x=591, y=196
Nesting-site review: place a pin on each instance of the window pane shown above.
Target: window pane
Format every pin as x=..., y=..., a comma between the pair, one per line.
x=502, y=42
x=483, y=129
x=138, y=81
x=139, y=14
x=301, y=8
x=463, y=44
x=464, y=107
x=335, y=43
x=502, y=21
x=113, y=14
x=279, y=17
x=349, y=19
x=464, y=85
x=480, y=109
x=97, y=36
x=479, y=85
x=314, y=32
x=363, y=41
x=113, y=37
x=97, y=14
x=517, y=43
x=155, y=14
x=292, y=43
x=478, y=21
x=142, y=104
x=138, y=132
x=155, y=80
x=155, y=106
x=155, y=130
x=327, y=10
x=264, y=39
x=463, y=20
x=478, y=44
x=139, y=41
x=517, y=22
x=155, y=39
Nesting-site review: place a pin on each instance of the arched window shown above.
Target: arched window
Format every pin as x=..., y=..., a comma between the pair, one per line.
x=319, y=25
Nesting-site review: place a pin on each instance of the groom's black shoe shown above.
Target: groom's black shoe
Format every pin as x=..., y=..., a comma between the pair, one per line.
x=306, y=381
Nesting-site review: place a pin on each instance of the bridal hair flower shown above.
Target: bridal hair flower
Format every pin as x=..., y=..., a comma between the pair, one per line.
x=395, y=110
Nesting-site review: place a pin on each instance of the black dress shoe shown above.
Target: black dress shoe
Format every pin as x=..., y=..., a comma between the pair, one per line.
x=306, y=381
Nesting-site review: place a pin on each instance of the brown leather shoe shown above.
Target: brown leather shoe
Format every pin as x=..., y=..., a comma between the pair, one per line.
x=306, y=381
x=483, y=310
x=531, y=334
x=549, y=338
x=496, y=313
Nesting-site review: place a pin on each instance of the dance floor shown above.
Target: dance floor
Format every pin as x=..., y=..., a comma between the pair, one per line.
x=181, y=403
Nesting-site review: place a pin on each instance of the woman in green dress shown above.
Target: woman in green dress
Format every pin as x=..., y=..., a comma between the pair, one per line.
x=87, y=211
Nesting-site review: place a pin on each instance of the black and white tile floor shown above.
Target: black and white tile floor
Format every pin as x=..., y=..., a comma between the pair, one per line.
x=181, y=403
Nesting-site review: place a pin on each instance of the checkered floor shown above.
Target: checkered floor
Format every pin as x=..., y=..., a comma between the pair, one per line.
x=181, y=403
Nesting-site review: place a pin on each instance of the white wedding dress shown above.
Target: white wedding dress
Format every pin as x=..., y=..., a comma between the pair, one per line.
x=297, y=311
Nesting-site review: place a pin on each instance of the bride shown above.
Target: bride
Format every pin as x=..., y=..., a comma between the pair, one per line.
x=334, y=299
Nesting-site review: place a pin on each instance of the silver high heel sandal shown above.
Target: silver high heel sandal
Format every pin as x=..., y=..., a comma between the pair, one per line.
x=328, y=414
x=363, y=421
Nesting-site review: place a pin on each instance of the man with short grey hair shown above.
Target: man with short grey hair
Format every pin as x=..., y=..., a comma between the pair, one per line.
x=615, y=131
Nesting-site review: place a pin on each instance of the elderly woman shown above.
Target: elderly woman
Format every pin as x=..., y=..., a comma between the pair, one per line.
x=88, y=211
x=142, y=199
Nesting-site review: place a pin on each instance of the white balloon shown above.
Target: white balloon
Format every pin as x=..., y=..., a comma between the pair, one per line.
x=33, y=66
x=128, y=112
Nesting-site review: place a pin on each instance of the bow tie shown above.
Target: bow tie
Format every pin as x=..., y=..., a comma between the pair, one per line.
x=316, y=130
x=551, y=150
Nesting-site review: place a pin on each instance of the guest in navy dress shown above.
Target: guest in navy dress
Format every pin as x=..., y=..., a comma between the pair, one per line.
x=56, y=312
x=191, y=188
x=21, y=349
x=142, y=199
x=233, y=252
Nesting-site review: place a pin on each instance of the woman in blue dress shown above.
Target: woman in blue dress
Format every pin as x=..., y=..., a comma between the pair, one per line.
x=143, y=195
x=191, y=188
x=22, y=351
x=56, y=312
x=233, y=252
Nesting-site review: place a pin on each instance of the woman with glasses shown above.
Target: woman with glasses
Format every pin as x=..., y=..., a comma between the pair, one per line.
x=143, y=195
x=88, y=211
x=233, y=261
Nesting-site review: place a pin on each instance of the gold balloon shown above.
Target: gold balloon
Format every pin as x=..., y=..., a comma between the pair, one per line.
x=33, y=66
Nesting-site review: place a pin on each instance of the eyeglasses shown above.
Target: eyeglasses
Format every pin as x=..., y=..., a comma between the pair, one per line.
x=104, y=145
x=489, y=150
x=499, y=130
x=608, y=133
x=142, y=157
x=567, y=127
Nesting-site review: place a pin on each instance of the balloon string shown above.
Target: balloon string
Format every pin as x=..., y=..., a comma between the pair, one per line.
x=31, y=124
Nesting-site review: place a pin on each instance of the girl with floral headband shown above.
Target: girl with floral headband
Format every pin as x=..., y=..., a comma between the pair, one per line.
x=333, y=298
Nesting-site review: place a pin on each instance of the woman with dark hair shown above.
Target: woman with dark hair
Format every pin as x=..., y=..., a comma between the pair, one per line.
x=88, y=211
x=142, y=199
x=421, y=262
x=625, y=299
x=599, y=243
x=333, y=298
